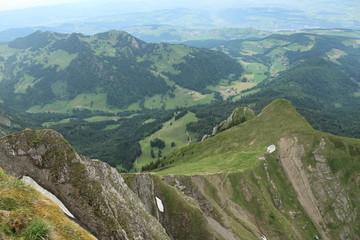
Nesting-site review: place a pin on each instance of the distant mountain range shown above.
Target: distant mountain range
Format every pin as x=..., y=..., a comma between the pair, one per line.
x=46, y=71
x=96, y=17
x=122, y=91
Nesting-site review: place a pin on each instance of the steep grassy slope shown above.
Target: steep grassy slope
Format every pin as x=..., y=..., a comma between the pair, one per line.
x=308, y=186
x=173, y=134
x=221, y=152
x=107, y=71
x=20, y=205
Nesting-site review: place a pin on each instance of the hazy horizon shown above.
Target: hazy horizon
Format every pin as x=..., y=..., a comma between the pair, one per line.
x=91, y=16
x=165, y=4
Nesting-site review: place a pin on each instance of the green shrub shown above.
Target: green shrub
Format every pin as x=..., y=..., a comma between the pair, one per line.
x=38, y=229
x=5, y=229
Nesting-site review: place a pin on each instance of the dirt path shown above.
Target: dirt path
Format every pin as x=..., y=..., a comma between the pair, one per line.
x=190, y=140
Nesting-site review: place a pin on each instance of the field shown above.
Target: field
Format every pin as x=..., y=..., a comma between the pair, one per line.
x=172, y=131
x=25, y=82
x=254, y=72
x=49, y=124
x=182, y=98
x=232, y=89
x=102, y=118
x=334, y=54
x=92, y=101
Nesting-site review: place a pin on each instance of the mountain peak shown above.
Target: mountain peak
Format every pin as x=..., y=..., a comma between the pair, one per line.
x=282, y=114
x=243, y=143
x=120, y=38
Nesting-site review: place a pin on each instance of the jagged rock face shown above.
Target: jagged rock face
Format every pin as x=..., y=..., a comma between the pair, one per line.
x=194, y=190
x=307, y=201
x=320, y=191
x=238, y=116
x=180, y=215
x=5, y=123
x=92, y=190
x=4, y=120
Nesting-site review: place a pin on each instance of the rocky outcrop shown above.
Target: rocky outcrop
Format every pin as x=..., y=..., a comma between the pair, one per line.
x=4, y=119
x=238, y=116
x=180, y=215
x=211, y=196
x=320, y=191
x=92, y=190
x=5, y=123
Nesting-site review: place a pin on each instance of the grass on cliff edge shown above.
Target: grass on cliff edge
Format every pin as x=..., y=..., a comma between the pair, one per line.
x=21, y=207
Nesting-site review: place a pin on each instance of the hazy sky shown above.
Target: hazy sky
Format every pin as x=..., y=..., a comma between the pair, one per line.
x=18, y=4
x=101, y=15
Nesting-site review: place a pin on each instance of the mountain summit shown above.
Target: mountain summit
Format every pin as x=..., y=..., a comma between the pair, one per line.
x=47, y=71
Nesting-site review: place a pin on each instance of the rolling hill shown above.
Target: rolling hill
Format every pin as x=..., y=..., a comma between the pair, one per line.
x=110, y=71
x=318, y=73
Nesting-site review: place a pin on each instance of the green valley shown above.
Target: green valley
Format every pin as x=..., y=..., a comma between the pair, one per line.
x=87, y=87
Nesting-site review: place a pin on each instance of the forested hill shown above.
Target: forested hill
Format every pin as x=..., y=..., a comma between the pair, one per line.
x=320, y=74
x=47, y=67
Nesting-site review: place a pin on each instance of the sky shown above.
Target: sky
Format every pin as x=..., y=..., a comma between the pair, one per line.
x=24, y=14
x=18, y=4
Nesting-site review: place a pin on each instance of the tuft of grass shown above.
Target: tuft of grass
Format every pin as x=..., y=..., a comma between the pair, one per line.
x=38, y=229
x=19, y=204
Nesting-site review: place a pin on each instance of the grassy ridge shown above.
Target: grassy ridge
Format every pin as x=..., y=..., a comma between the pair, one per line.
x=238, y=148
x=236, y=164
